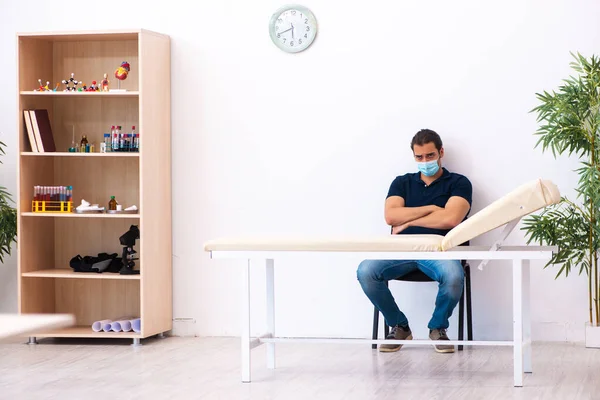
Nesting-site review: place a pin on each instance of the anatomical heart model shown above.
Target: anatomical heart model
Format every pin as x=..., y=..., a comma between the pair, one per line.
x=121, y=75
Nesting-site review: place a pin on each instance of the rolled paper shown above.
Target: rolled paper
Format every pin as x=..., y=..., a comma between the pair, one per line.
x=125, y=325
x=97, y=326
x=115, y=326
x=136, y=325
x=121, y=324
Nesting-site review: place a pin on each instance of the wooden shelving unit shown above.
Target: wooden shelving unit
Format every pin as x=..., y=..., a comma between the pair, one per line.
x=133, y=93
x=67, y=154
x=48, y=241
x=74, y=215
x=67, y=273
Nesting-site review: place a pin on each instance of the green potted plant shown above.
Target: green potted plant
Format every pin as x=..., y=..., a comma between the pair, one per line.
x=8, y=218
x=569, y=119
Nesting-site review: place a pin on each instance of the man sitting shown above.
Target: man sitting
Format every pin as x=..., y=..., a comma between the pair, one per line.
x=431, y=201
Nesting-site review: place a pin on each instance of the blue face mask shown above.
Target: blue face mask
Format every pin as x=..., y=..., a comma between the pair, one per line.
x=429, y=168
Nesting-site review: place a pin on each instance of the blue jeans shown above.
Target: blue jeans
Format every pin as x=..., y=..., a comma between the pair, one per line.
x=373, y=275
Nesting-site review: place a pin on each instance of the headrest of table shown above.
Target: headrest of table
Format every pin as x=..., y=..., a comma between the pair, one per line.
x=523, y=200
x=369, y=243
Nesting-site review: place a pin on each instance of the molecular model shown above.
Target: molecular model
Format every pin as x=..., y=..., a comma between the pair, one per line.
x=70, y=81
x=93, y=88
x=43, y=88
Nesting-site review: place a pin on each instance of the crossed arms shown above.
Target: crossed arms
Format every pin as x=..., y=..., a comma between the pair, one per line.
x=400, y=217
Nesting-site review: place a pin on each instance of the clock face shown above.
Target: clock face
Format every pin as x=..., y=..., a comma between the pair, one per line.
x=293, y=28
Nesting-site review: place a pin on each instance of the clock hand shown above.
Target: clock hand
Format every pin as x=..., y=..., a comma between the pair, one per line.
x=292, y=30
x=285, y=31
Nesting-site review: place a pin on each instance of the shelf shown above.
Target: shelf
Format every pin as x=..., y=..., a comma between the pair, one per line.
x=47, y=241
x=74, y=215
x=67, y=154
x=69, y=274
x=129, y=93
x=101, y=35
x=83, y=331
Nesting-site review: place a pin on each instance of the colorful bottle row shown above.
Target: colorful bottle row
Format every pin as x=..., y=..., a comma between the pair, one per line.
x=53, y=193
x=117, y=141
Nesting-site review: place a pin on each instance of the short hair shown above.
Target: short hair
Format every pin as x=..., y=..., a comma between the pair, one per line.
x=425, y=136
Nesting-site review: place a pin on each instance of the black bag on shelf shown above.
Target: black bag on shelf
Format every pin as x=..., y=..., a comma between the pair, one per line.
x=103, y=263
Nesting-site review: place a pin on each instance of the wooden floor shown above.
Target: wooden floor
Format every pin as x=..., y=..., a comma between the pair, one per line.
x=208, y=368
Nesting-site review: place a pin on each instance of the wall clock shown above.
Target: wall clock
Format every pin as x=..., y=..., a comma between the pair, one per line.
x=293, y=28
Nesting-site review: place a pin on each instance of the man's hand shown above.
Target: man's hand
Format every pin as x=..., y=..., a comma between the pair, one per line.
x=435, y=208
x=399, y=228
x=397, y=214
x=447, y=218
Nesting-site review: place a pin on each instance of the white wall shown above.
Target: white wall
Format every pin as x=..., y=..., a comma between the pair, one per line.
x=272, y=143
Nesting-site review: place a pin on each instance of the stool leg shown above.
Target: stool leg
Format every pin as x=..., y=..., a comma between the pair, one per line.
x=375, y=326
x=469, y=309
x=386, y=328
x=461, y=319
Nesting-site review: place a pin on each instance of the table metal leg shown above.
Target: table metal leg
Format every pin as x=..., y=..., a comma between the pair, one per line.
x=270, y=273
x=245, y=345
x=526, y=318
x=518, y=321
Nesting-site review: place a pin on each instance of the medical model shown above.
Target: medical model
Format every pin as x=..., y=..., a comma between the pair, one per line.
x=70, y=81
x=93, y=87
x=43, y=88
x=104, y=84
x=121, y=74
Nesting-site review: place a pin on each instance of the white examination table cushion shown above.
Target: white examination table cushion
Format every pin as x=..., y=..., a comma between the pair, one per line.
x=524, y=200
x=371, y=243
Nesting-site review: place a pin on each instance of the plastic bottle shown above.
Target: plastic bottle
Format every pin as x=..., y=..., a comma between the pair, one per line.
x=107, y=144
x=112, y=204
x=115, y=139
x=121, y=138
x=132, y=139
x=137, y=142
x=83, y=144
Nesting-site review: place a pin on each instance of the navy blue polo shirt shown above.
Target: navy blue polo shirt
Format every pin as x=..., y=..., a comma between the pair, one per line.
x=417, y=194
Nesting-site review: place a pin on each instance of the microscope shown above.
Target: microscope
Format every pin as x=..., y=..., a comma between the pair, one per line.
x=128, y=259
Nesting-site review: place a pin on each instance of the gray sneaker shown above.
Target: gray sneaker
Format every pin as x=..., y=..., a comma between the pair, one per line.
x=440, y=334
x=397, y=333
